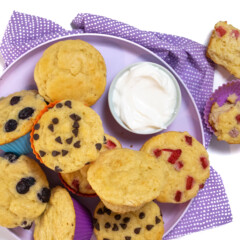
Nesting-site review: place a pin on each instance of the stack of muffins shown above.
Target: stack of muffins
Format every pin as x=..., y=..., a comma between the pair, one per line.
x=67, y=136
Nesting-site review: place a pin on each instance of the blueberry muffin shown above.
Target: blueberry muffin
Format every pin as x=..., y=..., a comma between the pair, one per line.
x=18, y=112
x=145, y=223
x=125, y=179
x=77, y=181
x=75, y=66
x=67, y=136
x=186, y=161
x=63, y=219
x=223, y=47
x=25, y=191
x=225, y=120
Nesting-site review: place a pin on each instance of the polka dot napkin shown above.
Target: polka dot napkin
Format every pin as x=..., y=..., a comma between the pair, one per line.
x=210, y=208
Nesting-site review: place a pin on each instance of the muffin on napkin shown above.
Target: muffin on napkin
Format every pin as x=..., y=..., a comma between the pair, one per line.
x=71, y=69
x=223, y=47
x=125, y=179
x=146, y=223
x=186, y=161
x=24, y=191
x=63, y=219
x=67, y=135
x=77, y=182
x=18, y=111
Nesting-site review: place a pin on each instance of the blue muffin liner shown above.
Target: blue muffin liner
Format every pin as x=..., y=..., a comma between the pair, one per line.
x=19, y=146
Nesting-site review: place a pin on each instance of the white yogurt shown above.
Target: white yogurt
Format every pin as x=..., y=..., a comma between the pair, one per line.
x=145, y=98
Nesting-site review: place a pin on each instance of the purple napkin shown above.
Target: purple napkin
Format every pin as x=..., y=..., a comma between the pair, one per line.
x=210, y=208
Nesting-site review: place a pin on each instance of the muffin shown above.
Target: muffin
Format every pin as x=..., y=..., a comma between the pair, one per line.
x=25, y=191
x=77, y=181
x=18, y=111
x=125, y=179
x=75, y=66
x=145, y=223
x=223, y=47
x=67, y=135
x=63, y=219
x=186, y=161
x=222, y=112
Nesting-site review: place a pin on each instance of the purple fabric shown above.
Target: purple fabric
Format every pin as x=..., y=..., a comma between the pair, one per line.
x=210, y=208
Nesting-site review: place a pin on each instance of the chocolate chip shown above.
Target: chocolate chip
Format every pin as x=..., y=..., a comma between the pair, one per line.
x=37, y=126
x=58, y=139
x=55, y=153
x=77, y=144
x=69, y=140
x=100, y=211
x=28, y=227
x=59, y=105
x=11, y=157
x=75, y=124
x=15, y=100
x=68, y=104
x=64, y=152
x=107, y=225
x=104, y=140
x=75, y=132
x=42, y=153
x=137, y=230
x=126, y=219
x=58, y=169
x=98, y=146
x=107, y=211
x=75, y=117
x=24, y=184
x=35, y=136
x=44, y=195
x=141, y=215
x=123, y=225
x=128, y=238
x=55, y=120
x=50, y=127
x=149, y=227
x=10, y=125
x=26, y=113
x=115, y=227
x=157, y=220
x=97, y=226
x=117, y=217
x=106, y=239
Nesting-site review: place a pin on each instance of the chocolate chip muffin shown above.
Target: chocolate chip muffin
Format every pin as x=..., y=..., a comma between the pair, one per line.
x=77, y=181
x=67, y=136
x=145, y=223
x=125, y=179
x=75, y=66
x=63, y=219
x=186, y=161
x=24, y=191
x=18, y=112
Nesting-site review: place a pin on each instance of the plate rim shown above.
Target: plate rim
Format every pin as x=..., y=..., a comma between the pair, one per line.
x=76, y=35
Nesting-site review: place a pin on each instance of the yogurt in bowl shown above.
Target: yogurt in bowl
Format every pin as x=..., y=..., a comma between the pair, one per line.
x=144, y=98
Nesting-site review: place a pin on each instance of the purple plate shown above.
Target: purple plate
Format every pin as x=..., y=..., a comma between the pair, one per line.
x=118, y=53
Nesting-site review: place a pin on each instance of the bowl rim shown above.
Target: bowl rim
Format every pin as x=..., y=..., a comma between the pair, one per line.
x=113, y=85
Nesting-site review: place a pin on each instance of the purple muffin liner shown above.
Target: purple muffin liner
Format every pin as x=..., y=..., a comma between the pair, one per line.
x=220, y=96
x=84, y=227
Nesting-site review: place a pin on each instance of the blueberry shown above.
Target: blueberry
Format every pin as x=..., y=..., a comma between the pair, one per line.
x=26, y=113
x=14, y=100
x=11, y=157
x=44, y=195
x=10, y=125
x=24, y=184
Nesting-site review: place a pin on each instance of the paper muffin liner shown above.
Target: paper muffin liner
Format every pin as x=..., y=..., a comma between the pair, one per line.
x=19, y=146
x=74, y=191
x=45, y=109
x=84, y=227
x=220, y=96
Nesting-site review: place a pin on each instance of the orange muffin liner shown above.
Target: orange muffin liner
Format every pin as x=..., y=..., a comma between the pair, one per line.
x=73, y=191
x=45, y=109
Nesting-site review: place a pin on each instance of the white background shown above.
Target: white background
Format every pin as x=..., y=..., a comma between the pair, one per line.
x=188, y=18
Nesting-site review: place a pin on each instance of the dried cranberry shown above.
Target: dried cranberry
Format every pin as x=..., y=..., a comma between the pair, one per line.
x=189, y=183
x=220, y=31
x=235, y=33
x=178, y=165
x=110, y=144
x=157, y=152
x=204, y=162
x=188, y=140
x=178, y=196
x=75, y=184
x=238, y=118
x=175, y=154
